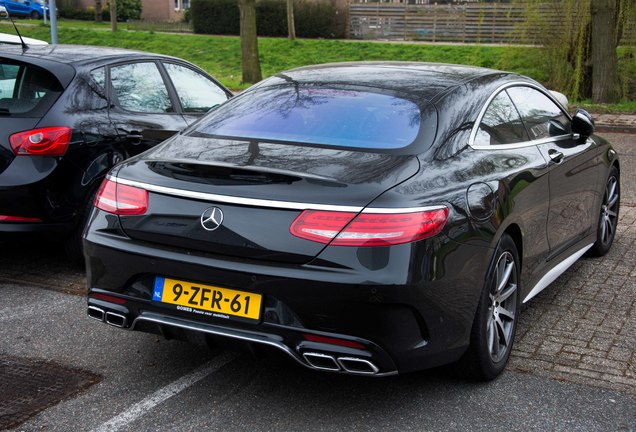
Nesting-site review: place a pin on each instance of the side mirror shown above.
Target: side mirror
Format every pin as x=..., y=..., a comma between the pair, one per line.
x=582, y=123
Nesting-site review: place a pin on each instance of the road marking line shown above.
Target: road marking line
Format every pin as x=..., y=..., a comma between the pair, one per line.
x=143, y=407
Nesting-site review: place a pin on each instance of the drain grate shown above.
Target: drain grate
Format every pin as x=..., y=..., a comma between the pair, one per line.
x=30, y=386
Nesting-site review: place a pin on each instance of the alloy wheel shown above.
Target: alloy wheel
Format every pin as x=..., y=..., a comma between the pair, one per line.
x=501, y=312
x=609, y=211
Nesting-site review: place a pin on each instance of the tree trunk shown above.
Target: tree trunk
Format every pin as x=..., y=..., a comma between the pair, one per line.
x=291, y=27
x=113, y=15
x=98, y=10
x=605, y=85
x=250, y=62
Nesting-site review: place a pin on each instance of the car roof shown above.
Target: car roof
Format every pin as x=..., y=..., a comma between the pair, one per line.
x=80, y=54
x=427, y=79
x=15, y=40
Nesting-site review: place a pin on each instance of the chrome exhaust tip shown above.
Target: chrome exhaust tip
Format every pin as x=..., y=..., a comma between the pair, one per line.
x=321, y=361
x=96, y=313
x=116, y=319
x=357, y=366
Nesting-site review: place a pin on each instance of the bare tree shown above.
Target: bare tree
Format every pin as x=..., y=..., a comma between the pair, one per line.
x=98, y=10
x=250, y=62
x=581, y=52
x=291, y=27
x=113, y=15
x=605, y=84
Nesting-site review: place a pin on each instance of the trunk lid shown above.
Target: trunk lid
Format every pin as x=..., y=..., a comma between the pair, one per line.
x=260, y=188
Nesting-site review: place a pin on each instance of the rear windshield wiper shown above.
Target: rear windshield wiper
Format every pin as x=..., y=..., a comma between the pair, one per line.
x=4, y=111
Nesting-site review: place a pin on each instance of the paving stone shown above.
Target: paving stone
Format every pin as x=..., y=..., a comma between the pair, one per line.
x=582, y=329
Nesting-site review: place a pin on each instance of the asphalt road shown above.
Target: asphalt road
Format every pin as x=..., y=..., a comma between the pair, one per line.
x=149, y=384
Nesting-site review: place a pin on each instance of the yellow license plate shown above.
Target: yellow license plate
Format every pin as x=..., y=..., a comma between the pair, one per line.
x=215, y=301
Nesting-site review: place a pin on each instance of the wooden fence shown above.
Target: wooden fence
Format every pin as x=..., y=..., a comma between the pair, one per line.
x=467, y=23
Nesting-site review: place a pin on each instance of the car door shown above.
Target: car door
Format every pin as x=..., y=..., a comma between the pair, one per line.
x=522, y=174
x=197, y=93
x=143, y=109
x=19, y=7
x=573, y=171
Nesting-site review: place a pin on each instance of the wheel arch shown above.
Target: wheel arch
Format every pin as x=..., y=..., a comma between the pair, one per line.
x=514, y=231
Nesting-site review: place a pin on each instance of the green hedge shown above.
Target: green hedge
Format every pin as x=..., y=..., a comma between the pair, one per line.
x=313, y=20
x=215, y=17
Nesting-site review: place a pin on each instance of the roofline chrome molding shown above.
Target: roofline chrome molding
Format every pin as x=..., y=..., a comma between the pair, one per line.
x=482, y=112
x=255, y=202
x=555, y=272
x=524, y=143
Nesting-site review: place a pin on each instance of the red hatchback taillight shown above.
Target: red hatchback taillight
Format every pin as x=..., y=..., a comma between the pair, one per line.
x=50, y=141
x=368, y=229
x=121, y=199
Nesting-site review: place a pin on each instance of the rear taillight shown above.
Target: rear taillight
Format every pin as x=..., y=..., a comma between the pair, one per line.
x=121, y=199
x=6, y=218
x=50, y=141
x=368, y=229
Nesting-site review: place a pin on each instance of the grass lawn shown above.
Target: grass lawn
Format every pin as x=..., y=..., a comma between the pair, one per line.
x=220, y=55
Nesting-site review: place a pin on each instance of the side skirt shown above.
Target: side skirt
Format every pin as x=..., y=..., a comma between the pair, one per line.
x=555, y=272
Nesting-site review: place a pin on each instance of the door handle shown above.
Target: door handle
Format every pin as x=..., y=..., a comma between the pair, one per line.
x=555, y=156
x=134, y=137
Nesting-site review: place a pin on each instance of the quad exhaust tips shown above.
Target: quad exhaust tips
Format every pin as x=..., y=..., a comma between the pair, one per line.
x=315, y=360
x=351, y=365
x=112, y=318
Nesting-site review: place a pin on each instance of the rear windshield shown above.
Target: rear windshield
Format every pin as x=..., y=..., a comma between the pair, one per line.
x=26, y=90
x=316, y=115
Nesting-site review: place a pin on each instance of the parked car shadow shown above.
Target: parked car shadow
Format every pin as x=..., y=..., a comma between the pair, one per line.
x=35, y=261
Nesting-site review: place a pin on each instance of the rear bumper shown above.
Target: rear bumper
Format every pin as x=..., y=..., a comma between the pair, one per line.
x=52, y=230
x=414, y=323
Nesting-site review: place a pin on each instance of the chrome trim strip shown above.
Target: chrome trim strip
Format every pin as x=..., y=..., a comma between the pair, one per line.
x=473, y=132
x=155, y=318
x=226, y=199
x=402, y=210
x=557, y=271
x=524, y=143
x=254, y=202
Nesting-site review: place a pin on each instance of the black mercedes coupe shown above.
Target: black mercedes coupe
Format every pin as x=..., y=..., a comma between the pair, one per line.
x=363, y=218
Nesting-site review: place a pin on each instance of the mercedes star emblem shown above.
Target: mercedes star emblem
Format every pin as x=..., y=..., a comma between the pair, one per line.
x=211, y=218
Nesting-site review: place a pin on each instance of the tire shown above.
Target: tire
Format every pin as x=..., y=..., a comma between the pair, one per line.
x=73, y=244
x=495, y=323
x=608, y=217
x=35, y=15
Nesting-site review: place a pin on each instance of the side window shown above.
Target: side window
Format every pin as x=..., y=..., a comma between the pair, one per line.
x=542, y=117
x=196, y=93
x=99, y=77
x=501, y=123
x=26, y=89
x=8, y=76
x=140, y=88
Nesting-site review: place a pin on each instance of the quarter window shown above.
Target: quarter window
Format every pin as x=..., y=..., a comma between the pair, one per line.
x=26, y=90
x=99, y=77
x=196, y=92
x=541, y=116
x=501, y=123
x=140, y=88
